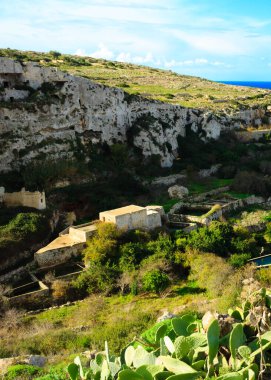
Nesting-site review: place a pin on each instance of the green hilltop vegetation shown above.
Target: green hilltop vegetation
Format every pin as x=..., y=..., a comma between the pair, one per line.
x=163, y=85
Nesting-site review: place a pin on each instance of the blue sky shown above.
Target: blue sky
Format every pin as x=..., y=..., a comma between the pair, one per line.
x=215, y=39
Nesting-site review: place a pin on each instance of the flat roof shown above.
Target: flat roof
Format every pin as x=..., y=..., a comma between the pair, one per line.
x=86, y=228
x=124, y=210
x=60, y=242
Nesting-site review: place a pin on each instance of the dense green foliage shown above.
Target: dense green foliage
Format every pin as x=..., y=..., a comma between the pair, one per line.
x=21, y=371
x=128, y=261
x=223, y=239
x=136, y=261
x=155, y=281
x=21, y=230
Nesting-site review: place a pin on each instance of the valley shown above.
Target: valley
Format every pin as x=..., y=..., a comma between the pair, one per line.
x=119, y=139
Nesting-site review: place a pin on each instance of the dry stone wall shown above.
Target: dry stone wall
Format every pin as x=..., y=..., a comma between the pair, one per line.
x=45, y=112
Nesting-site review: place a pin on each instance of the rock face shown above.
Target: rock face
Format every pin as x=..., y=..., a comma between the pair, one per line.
x=178, y=192
x=45, y=112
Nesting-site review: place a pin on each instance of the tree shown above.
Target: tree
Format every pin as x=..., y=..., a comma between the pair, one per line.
x=55, y=54
x=155, y=281
x=215, y=238
x=98, y=278
x=130, y=255
x=103, y=246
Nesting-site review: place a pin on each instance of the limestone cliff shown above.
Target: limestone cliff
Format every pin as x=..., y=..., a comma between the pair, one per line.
x=46, y=113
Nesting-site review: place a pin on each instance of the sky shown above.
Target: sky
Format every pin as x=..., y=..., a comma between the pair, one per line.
x=214, y=39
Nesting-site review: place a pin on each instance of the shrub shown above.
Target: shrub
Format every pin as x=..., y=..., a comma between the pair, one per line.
x=98, y=278
x=61, y=290
x=215, y=238
x=130, y=255
x=238, y=260
x=251, y=183
x=240, y=245
x=103, y=245
x=43, y=175
x=204, y=269
x=155, y=281
x=22, y=231
x=264, y=275
x=163, y=246
x=267, y=234
x=54, y=53
x=21, y=371
x=11, y=319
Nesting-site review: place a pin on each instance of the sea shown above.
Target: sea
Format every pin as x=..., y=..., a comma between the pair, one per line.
x=265, y=85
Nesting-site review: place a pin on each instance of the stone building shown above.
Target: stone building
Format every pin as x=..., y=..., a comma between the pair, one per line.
x=34, y=199
x=68, y=244
x=72, y=240
x=131, y=217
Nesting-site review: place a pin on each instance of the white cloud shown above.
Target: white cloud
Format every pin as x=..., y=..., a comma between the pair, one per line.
x=103, y=52
x=81, y=52
x=128, y=57
x=194, y=62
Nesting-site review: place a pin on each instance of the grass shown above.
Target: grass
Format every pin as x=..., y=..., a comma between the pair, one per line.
x=198, y=187
x=267, y=218
x=238, y=195
x=87, y=324
x=190, y=287
x=166, y=202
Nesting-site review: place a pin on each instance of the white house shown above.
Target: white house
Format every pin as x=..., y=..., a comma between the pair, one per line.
x=132, y=217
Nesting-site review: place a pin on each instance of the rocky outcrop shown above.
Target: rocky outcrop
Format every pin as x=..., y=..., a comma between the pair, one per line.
x=178, y=192
x=48, y=113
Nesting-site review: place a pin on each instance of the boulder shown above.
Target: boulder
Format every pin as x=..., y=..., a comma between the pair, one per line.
x=165, y=316
x=178, y=192
x=37, y=360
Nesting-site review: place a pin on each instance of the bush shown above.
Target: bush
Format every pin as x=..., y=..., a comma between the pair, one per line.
x=98, y=278
x=215, y=238
x=264, y=276
x=55, y=54
x=238, y=260
x=204, y=269
x=23, y=225
x=250, y=183
x=43, y=175
x=130, y=255
x=22, y=371
x=163, y=246
x=22, y=231
x=103, y=245
x=155, y=281
x=61, y=290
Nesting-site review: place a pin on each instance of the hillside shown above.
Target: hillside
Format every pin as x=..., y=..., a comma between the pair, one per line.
x=166, y=86
x=97, y=135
